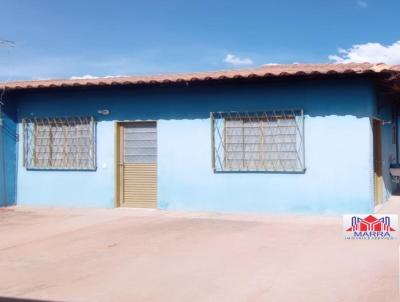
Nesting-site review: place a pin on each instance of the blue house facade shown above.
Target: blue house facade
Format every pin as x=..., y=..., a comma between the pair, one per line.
x=276, y=143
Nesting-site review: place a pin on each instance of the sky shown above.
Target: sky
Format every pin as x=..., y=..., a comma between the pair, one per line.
x=86, y=38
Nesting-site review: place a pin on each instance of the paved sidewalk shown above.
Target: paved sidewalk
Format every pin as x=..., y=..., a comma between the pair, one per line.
x=151, y=255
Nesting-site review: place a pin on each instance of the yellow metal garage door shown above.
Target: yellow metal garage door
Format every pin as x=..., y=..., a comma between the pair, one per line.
x=137, y=164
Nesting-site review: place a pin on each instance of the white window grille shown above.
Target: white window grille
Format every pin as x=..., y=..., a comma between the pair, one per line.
x=265, y=141
x=59, y=143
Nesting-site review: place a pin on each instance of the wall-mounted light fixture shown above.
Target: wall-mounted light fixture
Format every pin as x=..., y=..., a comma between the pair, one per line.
x=103, y=112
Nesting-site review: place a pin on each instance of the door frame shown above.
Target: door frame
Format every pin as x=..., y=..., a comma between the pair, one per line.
x=377, y=179
x=118, y=155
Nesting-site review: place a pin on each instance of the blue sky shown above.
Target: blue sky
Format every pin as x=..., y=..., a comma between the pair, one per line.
x=57, y=39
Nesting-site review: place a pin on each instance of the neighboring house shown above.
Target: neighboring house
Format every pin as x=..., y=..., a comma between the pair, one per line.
x=286, y=138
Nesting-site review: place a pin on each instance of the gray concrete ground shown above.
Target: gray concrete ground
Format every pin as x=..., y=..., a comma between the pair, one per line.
x=150, y=255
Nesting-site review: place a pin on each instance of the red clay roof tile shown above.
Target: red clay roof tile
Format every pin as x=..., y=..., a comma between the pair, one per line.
x=265, y=71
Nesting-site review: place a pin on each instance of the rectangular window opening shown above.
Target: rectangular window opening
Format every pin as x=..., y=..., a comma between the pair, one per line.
x=269, y=141
x=59, y=143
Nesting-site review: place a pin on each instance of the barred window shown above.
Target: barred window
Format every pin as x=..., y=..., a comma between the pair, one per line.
x=59, y=143
x=270, y=141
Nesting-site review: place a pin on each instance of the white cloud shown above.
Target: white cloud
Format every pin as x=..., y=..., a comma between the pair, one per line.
x=115, y=76
x=84, y=77
x=362, y=3
x=369, y=52
x=90, y=77
x=234, y=60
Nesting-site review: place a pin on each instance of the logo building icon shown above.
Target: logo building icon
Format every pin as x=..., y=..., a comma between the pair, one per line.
x=370, y=226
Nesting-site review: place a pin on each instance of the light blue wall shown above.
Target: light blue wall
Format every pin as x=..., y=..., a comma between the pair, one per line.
x=337, y=147
x=72, y=188
x=8, y=153
x=336, y=180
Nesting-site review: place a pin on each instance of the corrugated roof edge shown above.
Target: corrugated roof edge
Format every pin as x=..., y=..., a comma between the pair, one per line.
x=266, y=71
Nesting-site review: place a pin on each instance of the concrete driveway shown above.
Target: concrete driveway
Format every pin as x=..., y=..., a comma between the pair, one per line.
x=150, y=255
